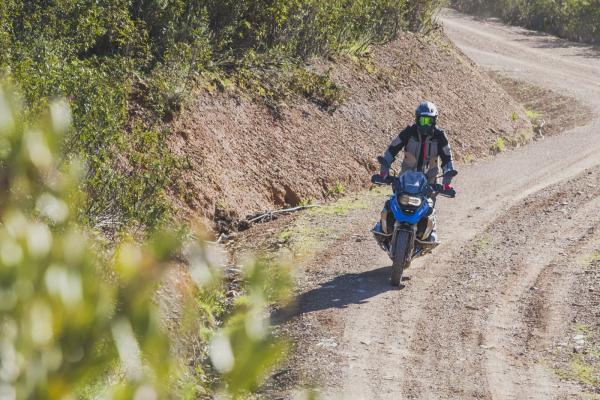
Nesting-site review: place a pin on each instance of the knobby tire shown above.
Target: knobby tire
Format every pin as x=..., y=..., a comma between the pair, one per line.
x=400, y=260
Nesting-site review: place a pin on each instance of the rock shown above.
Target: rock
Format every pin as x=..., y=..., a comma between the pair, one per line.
x=278, y=193
x=579, y=340
x=328, y=343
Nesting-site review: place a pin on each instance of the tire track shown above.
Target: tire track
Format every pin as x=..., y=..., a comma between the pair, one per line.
x=473, y=336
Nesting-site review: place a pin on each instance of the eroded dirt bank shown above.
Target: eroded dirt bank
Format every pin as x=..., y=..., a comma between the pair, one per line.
x=245, y=159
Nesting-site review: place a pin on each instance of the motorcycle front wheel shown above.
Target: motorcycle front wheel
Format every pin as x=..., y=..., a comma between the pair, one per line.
x=402, y=253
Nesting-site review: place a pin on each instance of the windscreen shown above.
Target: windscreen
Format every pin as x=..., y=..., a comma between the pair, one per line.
x=412, y=182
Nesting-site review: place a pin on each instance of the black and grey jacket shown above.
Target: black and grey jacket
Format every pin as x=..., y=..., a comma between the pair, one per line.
x=421, y=152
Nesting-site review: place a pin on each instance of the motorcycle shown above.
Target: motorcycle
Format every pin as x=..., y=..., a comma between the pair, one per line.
x=408, y=219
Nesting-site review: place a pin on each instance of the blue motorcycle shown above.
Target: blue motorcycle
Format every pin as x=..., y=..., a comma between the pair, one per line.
x=408, y=218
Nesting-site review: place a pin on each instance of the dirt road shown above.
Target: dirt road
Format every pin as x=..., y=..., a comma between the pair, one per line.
x=483, y=316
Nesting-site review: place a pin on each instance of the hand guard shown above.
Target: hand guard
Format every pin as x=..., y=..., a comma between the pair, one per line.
x=449, y=173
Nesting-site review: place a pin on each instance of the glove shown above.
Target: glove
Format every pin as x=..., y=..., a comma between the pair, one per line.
x=384, y=171
x=448, y=191
x=449, y=173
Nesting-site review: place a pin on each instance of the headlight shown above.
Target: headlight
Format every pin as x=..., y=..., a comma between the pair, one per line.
x=406, y=200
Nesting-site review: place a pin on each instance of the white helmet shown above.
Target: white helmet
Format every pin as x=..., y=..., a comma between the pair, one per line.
x=426, y=117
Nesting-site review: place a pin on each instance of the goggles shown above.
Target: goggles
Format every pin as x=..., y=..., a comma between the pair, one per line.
x=425, y=121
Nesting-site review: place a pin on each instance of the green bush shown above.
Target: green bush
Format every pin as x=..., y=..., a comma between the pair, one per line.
x=94, y=54
x=61, y=325
x=79, y=322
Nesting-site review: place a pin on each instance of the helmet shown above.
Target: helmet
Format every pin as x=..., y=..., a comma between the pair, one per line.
x=426, y=117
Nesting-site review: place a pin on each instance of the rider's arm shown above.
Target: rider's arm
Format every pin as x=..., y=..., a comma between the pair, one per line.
x=445, y=153
x=394, y=148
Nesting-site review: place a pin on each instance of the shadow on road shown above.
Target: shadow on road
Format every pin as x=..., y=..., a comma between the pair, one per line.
x=547, y=41
x=339, y=292
x=544, y=40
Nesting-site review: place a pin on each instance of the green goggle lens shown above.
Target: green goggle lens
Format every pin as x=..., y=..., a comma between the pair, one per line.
x=425, y=121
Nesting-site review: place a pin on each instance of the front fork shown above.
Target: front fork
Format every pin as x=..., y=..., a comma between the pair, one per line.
x=402, y=227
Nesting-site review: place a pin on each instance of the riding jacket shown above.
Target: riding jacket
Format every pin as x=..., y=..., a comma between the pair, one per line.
x=421, y=152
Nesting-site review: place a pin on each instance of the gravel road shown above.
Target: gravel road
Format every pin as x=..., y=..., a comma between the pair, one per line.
x=481, y=317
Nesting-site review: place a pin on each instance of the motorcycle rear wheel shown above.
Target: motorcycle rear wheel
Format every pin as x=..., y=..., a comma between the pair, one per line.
x=402, y=253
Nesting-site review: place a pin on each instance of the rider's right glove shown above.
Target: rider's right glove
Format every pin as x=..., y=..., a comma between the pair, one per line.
x=384, y=171
x=385, y=162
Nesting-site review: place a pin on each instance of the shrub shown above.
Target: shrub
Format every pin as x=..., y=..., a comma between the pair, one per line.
x=61, y=325
x=499, y=145
x=77, y=322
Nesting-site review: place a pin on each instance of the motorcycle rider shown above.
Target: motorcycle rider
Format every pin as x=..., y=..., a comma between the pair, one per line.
x=423, y=142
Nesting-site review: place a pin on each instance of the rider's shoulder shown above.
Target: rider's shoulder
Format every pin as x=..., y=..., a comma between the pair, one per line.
x=410, y=128
x=408, y=131
x=439, y=132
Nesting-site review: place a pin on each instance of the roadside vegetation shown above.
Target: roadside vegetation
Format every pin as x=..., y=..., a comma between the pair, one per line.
x=125, y=67
x=80, y=319
x=577, y=20
x=79, y=316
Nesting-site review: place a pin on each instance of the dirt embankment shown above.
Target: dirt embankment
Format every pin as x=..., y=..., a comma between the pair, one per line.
x=243, y=159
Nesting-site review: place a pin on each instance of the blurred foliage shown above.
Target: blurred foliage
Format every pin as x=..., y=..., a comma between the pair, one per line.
x=74, y=321
x=78, y=323
x=572, y=19
x=244, y=351
x=126, y=66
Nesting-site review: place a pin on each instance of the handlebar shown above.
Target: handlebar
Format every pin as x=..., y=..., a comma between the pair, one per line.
x=450, y=174
x=378, y=180
x=436, y=188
